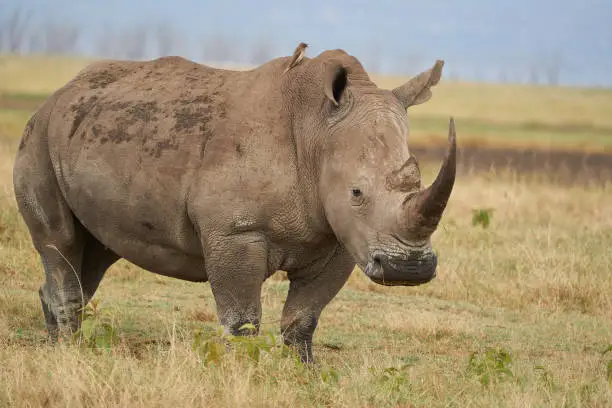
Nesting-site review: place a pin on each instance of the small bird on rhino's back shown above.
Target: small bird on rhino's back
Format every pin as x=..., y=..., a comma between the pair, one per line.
x=298, y=55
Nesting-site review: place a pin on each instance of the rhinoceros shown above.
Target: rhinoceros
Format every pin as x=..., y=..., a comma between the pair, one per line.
x=223, y=176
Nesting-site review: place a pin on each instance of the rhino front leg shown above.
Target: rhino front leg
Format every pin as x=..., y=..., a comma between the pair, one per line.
x=236, y=267
x=310, y=290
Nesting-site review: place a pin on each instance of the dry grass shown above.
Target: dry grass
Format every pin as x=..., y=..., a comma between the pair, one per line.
x=12, y=122
x=535, y=284
x=37, y=74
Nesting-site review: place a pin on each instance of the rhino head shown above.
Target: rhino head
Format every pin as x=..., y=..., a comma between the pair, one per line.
x=369, y=184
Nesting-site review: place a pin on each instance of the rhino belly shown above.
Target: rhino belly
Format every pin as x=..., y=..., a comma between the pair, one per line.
x=141, y=220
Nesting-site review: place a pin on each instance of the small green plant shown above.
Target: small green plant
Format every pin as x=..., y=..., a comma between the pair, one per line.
x=97, y=329
x=482, y=216
x=392, y=378
x=330, y=376
x=213, y=344
x=545, y=377
x=491, y=366
x=252, y=346
x=209, y=345
x=608, y=364
x=409, y=360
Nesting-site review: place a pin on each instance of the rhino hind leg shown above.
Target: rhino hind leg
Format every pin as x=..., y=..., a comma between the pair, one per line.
x=63, y=244
x=69, y=286
x=50, y=319
x=61, y=294
x=97, y=258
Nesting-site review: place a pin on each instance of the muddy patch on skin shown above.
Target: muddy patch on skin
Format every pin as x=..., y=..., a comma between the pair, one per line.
x=80, y=110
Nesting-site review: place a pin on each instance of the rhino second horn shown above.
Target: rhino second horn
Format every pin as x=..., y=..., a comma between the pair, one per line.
x=426, y=207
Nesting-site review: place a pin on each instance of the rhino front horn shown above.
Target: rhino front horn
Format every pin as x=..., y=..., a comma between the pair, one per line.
x=425, y=208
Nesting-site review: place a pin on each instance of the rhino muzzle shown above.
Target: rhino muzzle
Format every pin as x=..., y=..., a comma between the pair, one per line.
x=391, y=271
x=420, y=215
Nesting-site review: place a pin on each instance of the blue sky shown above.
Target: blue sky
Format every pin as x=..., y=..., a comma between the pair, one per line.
x=479, y=39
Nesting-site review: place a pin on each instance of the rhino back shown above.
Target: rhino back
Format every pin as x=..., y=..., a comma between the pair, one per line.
x=131, y=142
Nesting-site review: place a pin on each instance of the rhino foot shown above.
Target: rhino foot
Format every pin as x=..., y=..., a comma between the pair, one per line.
x=303, y=350
x=298, y=335
x=50, y=320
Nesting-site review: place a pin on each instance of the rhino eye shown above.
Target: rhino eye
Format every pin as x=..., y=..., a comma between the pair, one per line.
x=357, y=197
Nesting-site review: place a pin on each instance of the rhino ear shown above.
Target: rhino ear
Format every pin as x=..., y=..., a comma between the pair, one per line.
x=416, y=91
x=335, y=81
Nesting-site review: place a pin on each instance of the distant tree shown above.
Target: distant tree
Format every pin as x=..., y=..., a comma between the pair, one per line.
x=220, y=48
x=546, y=68
x=167, y=39
x=452, y=76
x=373, y=57
x=552, y=67
x=534, y=77
x=35, y=42
x=133, y=43
x=261, y=51
x=13, y=30
x=411, y=63
x=129, y=43
x=106, y=44
x=60, y=38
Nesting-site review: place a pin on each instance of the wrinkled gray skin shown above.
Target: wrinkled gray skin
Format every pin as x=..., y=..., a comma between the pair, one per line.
x=212, y=175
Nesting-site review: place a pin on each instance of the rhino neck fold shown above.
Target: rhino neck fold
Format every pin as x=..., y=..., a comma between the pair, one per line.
x=308, y=157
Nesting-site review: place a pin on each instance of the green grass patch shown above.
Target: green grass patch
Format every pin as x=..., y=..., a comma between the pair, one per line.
x=12, y=123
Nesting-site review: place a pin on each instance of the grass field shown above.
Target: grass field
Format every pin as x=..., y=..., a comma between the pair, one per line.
x=520, y=314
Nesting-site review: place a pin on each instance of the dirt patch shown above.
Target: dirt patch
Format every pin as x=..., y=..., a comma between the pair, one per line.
x=568, y=167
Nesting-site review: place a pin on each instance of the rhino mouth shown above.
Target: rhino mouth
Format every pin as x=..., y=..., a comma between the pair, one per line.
x=391, y=271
